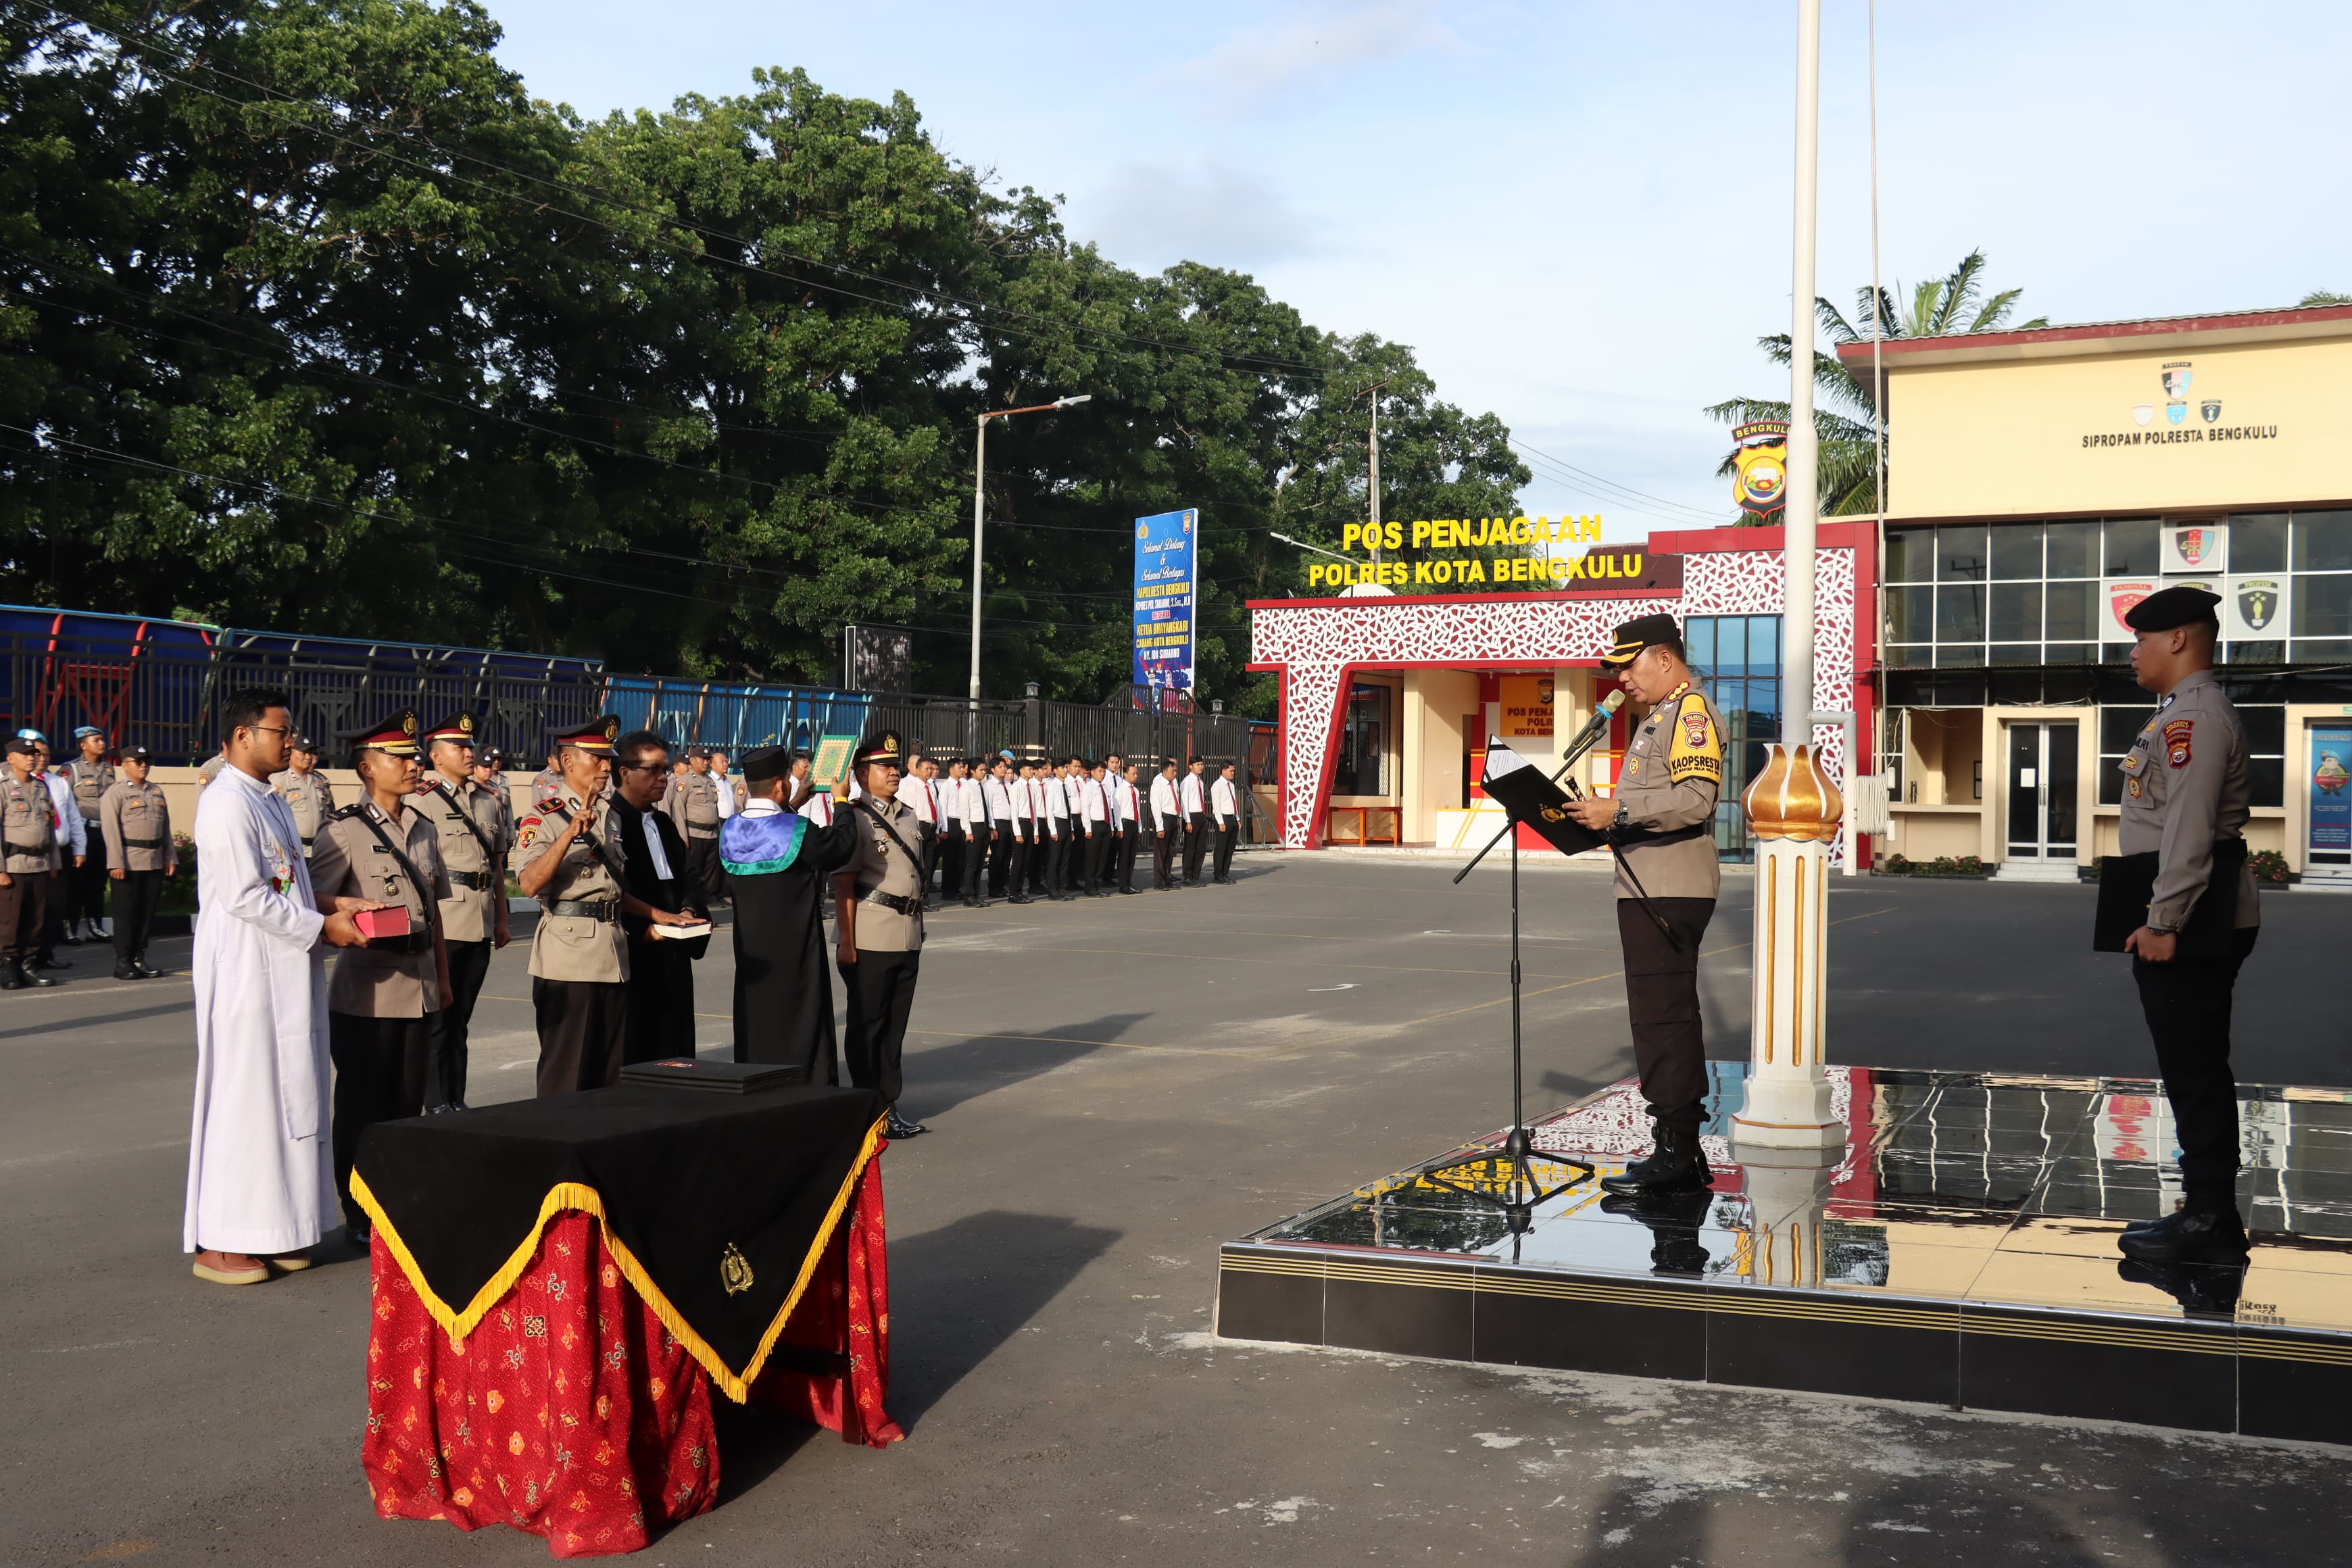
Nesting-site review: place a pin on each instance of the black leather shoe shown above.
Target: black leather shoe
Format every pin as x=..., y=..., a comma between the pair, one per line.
x=1673, y=1221
x=2203, y=1289
x=899, y=1127
x=129, y=971
x=48, y=961
x=12, y=976
x=2189, y=1236
x=26, y=976
x=1675, y=1165
x=1020, y=899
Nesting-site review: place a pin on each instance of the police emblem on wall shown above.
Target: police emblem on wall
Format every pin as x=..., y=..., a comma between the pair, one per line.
x=2258, y=602
x=1761, y=466
x=2210, y=408
x=2177, y=378
x=2195, y=544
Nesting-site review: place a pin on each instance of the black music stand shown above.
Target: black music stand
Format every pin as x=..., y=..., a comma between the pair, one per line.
x=1505, y=1178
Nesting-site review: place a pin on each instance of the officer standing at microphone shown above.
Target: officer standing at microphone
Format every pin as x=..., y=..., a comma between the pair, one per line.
x=1663, y=824
x=2185, y=797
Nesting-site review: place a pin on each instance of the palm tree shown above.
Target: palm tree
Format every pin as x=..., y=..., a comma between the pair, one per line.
x=1845, y=416
x=2322, y=296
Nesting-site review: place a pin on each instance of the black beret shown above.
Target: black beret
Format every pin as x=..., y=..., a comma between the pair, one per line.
x=2184, y=605
x=1642, y=631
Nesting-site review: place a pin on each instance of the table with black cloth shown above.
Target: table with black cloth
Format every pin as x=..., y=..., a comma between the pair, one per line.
x=556, y=1284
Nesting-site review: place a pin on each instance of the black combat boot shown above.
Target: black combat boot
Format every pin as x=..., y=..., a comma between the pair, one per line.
x=2200, y=1234
x=1675, y=1165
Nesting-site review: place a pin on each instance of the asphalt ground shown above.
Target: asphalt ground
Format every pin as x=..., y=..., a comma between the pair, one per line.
x=1115, y=1087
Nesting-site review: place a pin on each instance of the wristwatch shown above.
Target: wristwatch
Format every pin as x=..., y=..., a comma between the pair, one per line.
x=1623, y=818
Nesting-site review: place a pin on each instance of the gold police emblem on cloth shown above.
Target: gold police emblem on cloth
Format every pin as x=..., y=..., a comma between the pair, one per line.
x=2177, y=742
x=734, y=1271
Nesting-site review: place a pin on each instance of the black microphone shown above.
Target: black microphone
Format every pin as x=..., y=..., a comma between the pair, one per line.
x=1595, y=727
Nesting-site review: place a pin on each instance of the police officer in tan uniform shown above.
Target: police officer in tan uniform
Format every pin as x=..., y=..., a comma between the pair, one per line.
x=572, y=863
x=90, y=776
x=470, y=824
x=692, y=806
x=136, y=825
x=1662, y=823
x=305, y=789
x=2185, y=807
x=29, y=864
x=380, y=853
x=878, y=925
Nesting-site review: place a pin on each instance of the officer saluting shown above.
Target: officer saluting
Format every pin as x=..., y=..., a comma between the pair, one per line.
x=1663, y=823
x=878, y=925
x=579, y=955
x=2185, y=805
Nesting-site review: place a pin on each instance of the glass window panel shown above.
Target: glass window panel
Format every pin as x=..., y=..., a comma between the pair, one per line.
x=2323, y=542
x=2267, y=651
x=2071, y=611
x=2266, y=781
x=1731, y=644
x=1910, y=615
x=1959, y=655
x=1699, y=632
x=2017, y=551
x=1960, y=553
x=2258, y=543
x=2312, y=650
x=2016, y=612
x=2069, y=653
x=1959, y=614
x=2017, y=653
x=1911, y=555
x=1908, y=656
x=2323, y=605
x=2118, y=728
x=1764, y=646
x=2131, y=546
x=2073, y=550
x=2265, y=731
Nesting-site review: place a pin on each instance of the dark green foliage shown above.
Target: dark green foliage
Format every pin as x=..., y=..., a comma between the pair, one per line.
x=310, y=318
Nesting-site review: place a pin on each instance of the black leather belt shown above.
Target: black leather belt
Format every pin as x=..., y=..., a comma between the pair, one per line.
x=412, y=941
x=478, y=880
x=1629, y=836
x=895, y=903
x=692, y=832
x=28, y=849
x=145, y=843
x=307, y=842
x=607, y=910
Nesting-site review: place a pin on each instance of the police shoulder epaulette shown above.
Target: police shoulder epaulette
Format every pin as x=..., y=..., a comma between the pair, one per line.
x=355, y=809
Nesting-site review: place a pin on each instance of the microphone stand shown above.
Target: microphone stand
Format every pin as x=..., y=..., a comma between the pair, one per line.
x=1505, y=1178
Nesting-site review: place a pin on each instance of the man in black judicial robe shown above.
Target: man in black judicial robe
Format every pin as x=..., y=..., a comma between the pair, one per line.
x=661, y=969
x=778, y=864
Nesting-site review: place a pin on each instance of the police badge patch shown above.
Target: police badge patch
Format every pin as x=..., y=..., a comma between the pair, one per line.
x=2176, y=741
x=1696, y=751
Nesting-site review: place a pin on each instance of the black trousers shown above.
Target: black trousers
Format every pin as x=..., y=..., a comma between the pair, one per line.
x=1662, y=1007
x=2187, y=1007
x=1016, y=866
x=1000, y=858
x=950, y=862
x=1165, y=847
x=1196, y=845
x=88, y=880
x=702, y=854
x=1058, y=850
x=881, y=988
x=1223, y=865
x=975, y=863
x=927, y=844
x=661, y=1002
x=444, y=1069
x=379, y=1077
x=584, y=1027
x=24, y=913
x=1098, y=849
x=134, y=912
x=1130, y=839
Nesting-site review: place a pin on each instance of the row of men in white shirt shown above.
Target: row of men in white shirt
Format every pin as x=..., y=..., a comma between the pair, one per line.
x=1024, y=828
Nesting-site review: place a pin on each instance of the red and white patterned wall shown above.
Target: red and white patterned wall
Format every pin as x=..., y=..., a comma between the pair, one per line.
x=1315, y=646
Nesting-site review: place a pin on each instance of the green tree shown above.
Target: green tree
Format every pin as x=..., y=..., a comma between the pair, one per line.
x=1845, y=412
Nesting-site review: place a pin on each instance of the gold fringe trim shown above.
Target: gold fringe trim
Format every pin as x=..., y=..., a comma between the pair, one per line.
x=579, y=1197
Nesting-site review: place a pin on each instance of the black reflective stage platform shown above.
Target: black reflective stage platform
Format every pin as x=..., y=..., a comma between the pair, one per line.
x=1961, y=1250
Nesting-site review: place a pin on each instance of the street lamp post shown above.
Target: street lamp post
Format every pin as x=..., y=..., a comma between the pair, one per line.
x=980, y=508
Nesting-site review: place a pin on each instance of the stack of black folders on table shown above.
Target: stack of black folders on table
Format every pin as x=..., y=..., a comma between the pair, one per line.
x=712, y=1078
x=1520, y=788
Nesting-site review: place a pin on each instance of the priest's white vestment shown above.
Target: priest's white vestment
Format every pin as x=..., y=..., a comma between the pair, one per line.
x=260, y=1169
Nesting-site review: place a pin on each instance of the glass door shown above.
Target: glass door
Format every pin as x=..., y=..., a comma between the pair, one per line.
x=2042, y=795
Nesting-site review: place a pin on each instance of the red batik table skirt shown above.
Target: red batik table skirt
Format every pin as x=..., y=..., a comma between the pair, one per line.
x=572, y=1412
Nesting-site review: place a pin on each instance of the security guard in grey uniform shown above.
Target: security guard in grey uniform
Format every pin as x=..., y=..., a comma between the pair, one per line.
x=28, y=866
x=692, y=804
x=2185, y=805
x=470, y=825
x=305, y=790
x=90, y=776
x=136, y=825
x=878, y=925
x=1662, y=823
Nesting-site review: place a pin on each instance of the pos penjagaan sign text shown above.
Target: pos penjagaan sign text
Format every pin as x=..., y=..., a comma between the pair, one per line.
x=1485, y=534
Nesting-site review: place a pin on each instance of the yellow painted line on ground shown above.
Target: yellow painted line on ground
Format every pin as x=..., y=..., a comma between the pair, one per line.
x=1073, y=1040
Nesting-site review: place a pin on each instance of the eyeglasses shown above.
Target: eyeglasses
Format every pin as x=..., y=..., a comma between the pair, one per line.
x=272, y=728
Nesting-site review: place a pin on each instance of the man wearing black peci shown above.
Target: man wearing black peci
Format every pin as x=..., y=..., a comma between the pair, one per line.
x=2184, y=805
x=878, y=921
x=1663, y=823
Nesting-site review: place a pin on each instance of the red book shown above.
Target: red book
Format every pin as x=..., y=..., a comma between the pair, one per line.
x=376, y=923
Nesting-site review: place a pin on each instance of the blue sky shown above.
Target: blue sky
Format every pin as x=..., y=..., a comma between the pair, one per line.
x=1577, y=214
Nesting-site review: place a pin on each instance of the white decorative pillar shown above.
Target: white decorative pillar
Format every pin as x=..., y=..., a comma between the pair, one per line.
x=1793, y=810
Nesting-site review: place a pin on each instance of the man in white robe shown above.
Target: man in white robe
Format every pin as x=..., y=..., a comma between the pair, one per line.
x=261, y=1181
